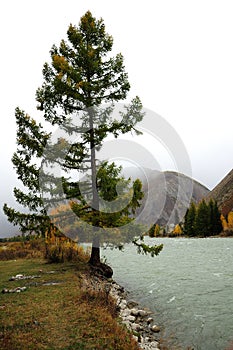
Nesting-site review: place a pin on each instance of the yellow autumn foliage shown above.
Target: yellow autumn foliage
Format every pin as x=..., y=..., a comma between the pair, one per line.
x=157, y=230
x=230, y=220
x=177, y=230
x=60, y=63
x=224, y=222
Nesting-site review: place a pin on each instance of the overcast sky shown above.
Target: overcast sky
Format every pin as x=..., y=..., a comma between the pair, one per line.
x=178, y=54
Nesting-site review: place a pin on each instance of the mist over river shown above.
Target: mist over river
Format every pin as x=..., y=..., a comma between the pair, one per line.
x=189, y=287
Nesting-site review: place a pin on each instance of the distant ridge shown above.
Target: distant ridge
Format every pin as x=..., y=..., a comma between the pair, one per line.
x=167, y=195
x=223, y=194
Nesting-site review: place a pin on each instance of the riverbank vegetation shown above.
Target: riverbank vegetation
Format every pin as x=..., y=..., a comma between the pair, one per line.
x=56, y=310
x=201, y=220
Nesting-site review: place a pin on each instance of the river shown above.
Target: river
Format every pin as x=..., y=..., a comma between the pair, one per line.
x=189, y=287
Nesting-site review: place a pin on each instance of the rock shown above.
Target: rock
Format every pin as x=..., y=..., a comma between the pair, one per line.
x=142, y=313
x=125, y=313
x=131, y=304
x=135, y=319
x=5, y=291
x=147, y=339
x=22, y=277
x=154, y=345
x=130, y=318
x=16, y=290
x=155, y=328
x=103, y=270
x=136, y=327
x=123, y=304
x=134, y=312
x=149, y=320
x=119, y=288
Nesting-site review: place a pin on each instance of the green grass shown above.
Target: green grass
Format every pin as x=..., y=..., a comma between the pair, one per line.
x=65, y=316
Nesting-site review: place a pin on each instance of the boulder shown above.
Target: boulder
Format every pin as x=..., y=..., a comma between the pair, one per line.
x=155, y=328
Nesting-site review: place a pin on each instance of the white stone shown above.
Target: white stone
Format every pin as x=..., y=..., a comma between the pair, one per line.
x=154, y=345
x=123, y=305
x=136, y=327
x=134, y=312
x=149, y=320
x=125, y=313
x=142, y=313
x=131, y=318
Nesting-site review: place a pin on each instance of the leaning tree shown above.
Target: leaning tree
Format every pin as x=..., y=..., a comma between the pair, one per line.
x=80, y=86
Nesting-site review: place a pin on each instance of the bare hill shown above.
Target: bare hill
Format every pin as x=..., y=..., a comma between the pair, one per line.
x=223, y=193
x=167, y=195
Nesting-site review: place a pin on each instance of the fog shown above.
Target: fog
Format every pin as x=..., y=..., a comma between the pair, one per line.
x=178, y=55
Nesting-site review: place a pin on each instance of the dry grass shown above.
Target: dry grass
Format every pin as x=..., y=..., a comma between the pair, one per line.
x=21, y=250
x=37, y=248
x=65, y=316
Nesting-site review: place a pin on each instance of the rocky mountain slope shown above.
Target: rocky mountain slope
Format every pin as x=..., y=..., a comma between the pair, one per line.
x=223, y=194
x=167, y=195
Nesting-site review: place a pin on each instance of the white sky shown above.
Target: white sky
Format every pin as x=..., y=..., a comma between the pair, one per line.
x=179, y=56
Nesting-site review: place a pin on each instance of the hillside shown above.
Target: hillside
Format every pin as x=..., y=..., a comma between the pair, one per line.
x=167, y=195
x=223, y=194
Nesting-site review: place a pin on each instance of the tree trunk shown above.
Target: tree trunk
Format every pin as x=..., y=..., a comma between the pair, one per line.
x=98, y=267
x=95, y=252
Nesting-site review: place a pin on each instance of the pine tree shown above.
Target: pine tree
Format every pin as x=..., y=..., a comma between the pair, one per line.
x=151, y=231
x=216, y=227
x=79, y=80
x=202, y=220
x=189, y=221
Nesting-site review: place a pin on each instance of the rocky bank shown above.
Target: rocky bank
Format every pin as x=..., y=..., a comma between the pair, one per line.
x=138, y=320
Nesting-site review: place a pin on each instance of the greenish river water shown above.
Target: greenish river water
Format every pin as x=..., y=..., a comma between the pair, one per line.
x=189, y=287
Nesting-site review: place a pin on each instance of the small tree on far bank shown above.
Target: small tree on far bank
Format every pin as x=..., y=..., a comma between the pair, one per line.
x=214, y=218
x=154, y=230
x=202, y=221
x=189, y=221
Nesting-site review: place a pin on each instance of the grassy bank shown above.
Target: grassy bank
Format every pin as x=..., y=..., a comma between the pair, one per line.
x=57, y=310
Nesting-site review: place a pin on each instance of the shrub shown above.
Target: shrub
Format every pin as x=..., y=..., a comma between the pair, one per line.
x=65, y=251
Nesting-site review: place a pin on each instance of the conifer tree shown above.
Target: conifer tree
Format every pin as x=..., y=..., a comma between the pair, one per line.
x=215, y=223
x=79, y=80
x=189, y=221
x=31, y=140
x=202, y=221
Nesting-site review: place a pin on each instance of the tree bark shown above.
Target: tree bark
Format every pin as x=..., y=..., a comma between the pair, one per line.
x=95, y=252
x=98, y=267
